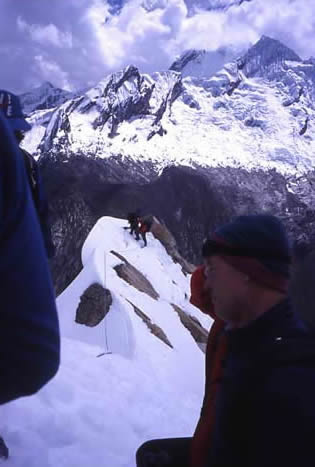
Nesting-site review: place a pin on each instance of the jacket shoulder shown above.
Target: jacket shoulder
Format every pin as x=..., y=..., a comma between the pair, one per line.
x=296, y=350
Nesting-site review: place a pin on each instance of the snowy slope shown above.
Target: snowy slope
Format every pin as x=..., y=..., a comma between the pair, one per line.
x=97, y=411
x=39, y=121
x=256, y=112
x=39, y=104
x=203, y=63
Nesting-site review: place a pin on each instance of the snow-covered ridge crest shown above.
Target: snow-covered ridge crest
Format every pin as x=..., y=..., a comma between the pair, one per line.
x=109, y=245
x=141, y=387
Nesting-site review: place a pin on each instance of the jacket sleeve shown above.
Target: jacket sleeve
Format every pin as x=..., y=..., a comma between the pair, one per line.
x=199, y=296
x=29, y=331
x=43, y=213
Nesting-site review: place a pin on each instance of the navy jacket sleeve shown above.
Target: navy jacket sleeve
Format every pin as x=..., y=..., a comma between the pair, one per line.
x=29, y=331
x=43, y=212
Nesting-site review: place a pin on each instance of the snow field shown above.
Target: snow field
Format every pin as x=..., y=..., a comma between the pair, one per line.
x=98, y=411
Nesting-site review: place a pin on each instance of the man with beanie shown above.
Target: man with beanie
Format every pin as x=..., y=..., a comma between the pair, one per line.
x=258, y=407
x=12, y=111
x=265, y=406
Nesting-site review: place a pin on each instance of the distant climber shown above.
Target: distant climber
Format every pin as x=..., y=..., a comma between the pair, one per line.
x=134, y=219
x=145, y=224
x=12, y=111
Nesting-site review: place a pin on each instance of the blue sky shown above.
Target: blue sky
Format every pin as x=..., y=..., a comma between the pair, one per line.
x=75, y=43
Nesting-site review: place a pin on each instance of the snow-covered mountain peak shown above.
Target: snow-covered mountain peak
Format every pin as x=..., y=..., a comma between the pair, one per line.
x=187, y=57
x=116, y=87
x=254, y=112
x=273, y=61
x=118, y=98
x=203, y=63
x=267, y=53
x=45, y=96
x=45, y=86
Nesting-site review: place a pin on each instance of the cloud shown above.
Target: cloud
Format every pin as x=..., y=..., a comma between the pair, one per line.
x=168, y=28
x=48, y=34
x=213, y=30
x=135, y=33
x=77, y=42
x=47, y=68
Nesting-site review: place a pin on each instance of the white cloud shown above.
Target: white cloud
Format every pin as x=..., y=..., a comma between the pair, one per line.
x=175, y=14
x=49, y=69
x=81, y=41
x=215, y=29
x=45, y=35
x=135, y=34
x=152, y=39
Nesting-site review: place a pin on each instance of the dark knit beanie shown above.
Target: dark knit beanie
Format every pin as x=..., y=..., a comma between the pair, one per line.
x=256, y=245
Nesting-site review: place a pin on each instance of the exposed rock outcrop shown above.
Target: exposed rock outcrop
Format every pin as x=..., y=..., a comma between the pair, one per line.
x=154, y=328
x=162, y=234
x=194, y=327
x=94, y=304
x=130, y=274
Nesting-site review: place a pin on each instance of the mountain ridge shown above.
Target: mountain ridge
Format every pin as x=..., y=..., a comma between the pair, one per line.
x=192, y=150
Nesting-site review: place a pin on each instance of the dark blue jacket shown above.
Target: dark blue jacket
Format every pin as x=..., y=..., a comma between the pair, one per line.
x=265, y=413
x=29, y=331
x=40, y=201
